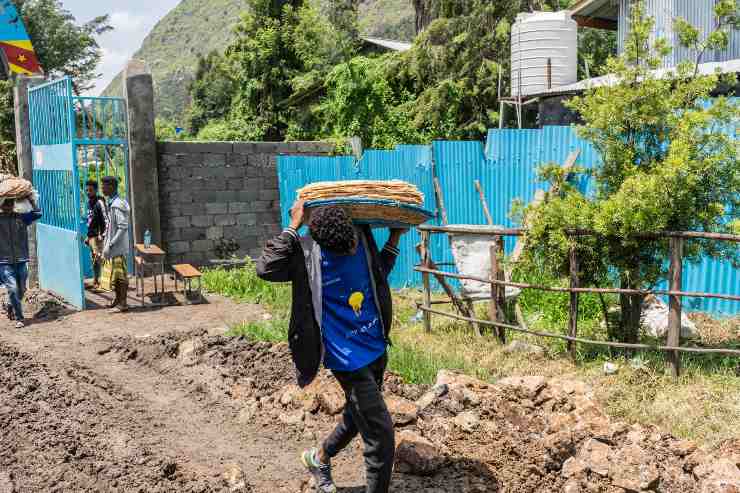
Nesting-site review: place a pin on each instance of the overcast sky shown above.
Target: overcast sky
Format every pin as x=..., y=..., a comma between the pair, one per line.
x=132, y=20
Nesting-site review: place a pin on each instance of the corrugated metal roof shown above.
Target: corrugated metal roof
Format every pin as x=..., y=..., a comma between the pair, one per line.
x=389, y=44
x=726, y=67
x=603, y=9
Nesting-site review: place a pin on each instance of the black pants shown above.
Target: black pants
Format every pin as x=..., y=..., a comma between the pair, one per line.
x=366, y=413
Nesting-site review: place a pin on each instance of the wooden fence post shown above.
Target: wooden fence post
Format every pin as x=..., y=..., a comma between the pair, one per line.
x=427, y=281
x=674, y=316
x=496, y=309
x=573, y=316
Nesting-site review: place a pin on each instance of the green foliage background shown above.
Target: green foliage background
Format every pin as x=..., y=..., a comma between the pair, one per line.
x=196, y=28
x=300, y=71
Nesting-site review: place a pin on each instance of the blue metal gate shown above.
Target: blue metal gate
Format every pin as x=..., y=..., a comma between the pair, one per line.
x=74, y=139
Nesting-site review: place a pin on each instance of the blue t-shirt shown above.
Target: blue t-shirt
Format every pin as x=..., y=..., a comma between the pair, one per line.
x=351, y=327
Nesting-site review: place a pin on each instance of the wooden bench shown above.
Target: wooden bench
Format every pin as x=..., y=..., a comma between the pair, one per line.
x=186, y=273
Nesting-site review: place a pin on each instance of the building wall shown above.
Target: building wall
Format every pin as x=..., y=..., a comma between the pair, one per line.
x=214, y=192
x=699, y=13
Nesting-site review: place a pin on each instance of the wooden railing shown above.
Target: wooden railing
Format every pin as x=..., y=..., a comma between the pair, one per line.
x=498, y=283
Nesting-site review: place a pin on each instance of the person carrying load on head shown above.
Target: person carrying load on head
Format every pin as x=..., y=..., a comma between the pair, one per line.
x=96, y=225
x=16, y=215
x=116, y=246
x=342, y=314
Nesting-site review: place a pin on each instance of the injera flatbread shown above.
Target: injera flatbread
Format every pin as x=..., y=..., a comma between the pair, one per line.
x=395, y=190
x=15, y=188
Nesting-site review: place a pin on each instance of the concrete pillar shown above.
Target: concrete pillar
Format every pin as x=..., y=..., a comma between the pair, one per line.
x=143, y=176
x=25, y=156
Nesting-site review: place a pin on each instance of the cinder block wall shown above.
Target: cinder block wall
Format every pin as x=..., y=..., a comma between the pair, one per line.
x=211, y=192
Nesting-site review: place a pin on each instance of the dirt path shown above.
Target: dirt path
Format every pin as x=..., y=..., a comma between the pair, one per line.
x=119, y=409
x=161, y=400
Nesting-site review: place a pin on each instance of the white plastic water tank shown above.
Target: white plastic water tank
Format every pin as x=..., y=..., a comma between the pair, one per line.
x=540, y=40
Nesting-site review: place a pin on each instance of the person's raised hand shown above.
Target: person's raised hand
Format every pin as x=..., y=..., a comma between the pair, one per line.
x=399, y=231
x=297, y=214
x=396, y=234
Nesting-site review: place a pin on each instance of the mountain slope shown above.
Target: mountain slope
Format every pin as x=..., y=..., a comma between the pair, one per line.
x=197, y=27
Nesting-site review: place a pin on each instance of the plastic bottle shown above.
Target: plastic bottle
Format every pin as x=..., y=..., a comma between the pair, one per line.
x=147, y=239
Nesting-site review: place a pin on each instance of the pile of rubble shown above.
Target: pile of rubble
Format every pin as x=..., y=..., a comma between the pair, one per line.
x=532, y=434
x=527, y=434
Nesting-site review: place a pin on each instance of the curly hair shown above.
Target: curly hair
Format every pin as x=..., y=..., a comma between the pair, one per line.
x=331, y=227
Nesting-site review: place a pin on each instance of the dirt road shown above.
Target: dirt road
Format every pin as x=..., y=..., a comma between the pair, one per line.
x=99, y=402
x=162, y=401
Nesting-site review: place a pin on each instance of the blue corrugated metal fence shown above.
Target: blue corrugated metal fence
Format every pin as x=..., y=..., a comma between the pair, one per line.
x=506, y=165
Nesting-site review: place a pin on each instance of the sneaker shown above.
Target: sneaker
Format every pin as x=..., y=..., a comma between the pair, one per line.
x=19, y=325
x=321, y=472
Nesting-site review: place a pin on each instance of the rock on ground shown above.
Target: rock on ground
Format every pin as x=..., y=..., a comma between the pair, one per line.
x=417, y=455
x=402, y=410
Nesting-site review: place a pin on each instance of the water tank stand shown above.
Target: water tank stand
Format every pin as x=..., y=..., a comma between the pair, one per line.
x=518, y=103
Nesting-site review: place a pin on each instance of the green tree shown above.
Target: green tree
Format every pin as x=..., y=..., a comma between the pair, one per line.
x=669, y=163
x=64, y=47
x=298, y=71
x=211, y=92
x=7, y=128
x=457, y=60
x=167, y=130
x=264, y=62
x=595, y=47
x=362, y=101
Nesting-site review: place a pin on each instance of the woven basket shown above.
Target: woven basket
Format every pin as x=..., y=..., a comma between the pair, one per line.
x=378, y=213
x=15, y=188
x=391, y=203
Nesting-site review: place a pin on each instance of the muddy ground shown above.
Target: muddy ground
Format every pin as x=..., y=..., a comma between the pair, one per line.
x=161, y=400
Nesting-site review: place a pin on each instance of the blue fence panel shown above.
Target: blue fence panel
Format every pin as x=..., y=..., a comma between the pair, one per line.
x=56, y=178
x=409, y=163
x=295, y=172
x=506, y=165
x=712, y=276
x=414, y=165
x=50, y=111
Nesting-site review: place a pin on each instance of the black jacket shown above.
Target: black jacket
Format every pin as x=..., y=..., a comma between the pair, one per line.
x=14, y=236
x=294, y=259
x=96, y=220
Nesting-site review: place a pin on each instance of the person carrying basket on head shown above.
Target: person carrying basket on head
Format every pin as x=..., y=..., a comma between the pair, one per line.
x=342, y=314
x=14, y=254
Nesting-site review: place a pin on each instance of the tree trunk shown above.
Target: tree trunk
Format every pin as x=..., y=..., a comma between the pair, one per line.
x=631, y=305
x=424, y=14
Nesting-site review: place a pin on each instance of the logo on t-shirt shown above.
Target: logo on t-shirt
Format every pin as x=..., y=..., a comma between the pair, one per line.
x=356, y=300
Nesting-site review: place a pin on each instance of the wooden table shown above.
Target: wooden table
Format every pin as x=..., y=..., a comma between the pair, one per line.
x=153, y=257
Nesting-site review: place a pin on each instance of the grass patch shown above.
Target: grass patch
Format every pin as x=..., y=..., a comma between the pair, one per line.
x=269, y=330
x=243, y=285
